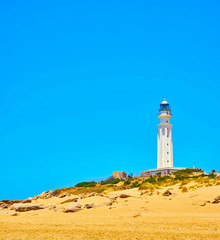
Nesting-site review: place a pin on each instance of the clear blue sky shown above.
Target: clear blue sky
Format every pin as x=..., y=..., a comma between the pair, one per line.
x=81, y=83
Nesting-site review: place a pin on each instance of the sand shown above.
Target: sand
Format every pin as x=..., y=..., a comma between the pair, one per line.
x=178, y=216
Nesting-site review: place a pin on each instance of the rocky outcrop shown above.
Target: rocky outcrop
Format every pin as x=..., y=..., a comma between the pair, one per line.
x=75, y=207
x=35, y=198
x=45, y=195
x=91, y=194
x=26, y=208
x=50, y=206
x=28, y=200
x=201, y=203
x=62, y=195
x=113, y=198
x=13, y=206
x=124, y=195
x=13, y=214
x=70, y=200
x=61, y=209
x=42, y=195
x=10, y=202
x=167, y=193
x=82, y=196
x=89, y=205
x=4, y=205
x=216, y=200
x=108, y=203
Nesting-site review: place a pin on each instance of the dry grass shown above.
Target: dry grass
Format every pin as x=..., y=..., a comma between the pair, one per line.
x=158, y=182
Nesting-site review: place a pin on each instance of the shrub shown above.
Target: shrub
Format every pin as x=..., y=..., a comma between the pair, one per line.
x=187, y=171
x=211, y=175
x=135, y=184
x=164, y=178
x=86, y=184
x=110, y=180
x=100, y=190
x=150, y=180
x=110, y=185
x=103, y=182
x=158, y=174
x=127, y=182
x=180, y=178
x=115, y=181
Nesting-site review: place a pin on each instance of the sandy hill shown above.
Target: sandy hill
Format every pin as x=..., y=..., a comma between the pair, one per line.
x=134, y=215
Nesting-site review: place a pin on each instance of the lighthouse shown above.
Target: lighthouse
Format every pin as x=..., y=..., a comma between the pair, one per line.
x=164, y=143
x=164, y=137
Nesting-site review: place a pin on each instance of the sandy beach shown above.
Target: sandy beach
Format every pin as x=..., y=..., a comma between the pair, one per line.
x=146, y=216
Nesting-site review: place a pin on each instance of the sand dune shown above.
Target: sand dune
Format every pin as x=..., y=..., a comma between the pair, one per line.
x=178, y=216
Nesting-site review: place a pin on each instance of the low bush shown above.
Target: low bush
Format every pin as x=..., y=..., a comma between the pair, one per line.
x=135, y=185
x=86, y=184
x=180, y=178
x=186, y=172
x=100, y=190
x=164, y=178
x=110, y=181
x=127, y=182
x=103, y=182
x=211, y=175
x=150, y=180
x=115, y=181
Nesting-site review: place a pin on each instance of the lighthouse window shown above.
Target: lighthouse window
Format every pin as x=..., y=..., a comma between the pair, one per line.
x=167, y=121
x=167, y=152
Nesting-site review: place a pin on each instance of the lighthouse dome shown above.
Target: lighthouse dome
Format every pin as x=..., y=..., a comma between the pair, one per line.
x=165, y=108
x=164, y=101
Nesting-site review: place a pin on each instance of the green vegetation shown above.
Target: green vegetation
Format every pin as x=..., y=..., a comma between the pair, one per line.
x=135, y=184
x=211, y=175
x=187, y=180
x=115, y=181
x=110, y=181
x=127, y=182
x=164, y=178
x=86, y=184
x=187, y=171
x=150, y=180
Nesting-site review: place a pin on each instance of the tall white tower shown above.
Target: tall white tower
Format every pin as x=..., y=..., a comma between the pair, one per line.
x=164, y=137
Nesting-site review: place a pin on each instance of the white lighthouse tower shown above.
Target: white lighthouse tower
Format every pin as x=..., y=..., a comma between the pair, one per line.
x=164, y=143
x=164, y=137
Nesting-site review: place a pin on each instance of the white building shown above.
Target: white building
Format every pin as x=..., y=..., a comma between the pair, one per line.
x=164, y=143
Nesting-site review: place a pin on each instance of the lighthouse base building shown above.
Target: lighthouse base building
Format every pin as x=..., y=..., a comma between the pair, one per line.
x=164, y=143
